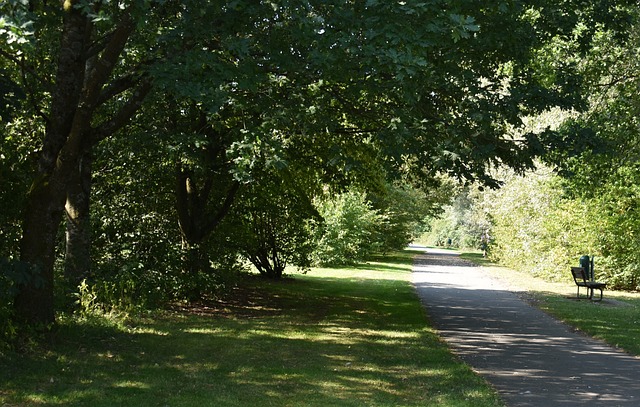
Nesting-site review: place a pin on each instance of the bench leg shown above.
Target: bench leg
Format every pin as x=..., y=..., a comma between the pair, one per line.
x=578, y=293
x=600, y=295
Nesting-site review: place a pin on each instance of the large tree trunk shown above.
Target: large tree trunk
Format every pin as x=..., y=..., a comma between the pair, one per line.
x=34, y=302
x=45, y=202
x=76, y=94
x=77, y=260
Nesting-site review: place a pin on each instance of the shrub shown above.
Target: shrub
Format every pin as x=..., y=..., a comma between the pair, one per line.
x=347, y=232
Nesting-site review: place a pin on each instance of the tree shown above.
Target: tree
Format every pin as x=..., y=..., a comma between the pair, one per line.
x=424, y=88
x=275, y=214
x=463, y=221
x=404, y=213
x=601, y=148
x=205, y=190
x=82, y=84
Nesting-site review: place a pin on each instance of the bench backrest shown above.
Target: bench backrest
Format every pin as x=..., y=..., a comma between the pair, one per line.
x=579, y=274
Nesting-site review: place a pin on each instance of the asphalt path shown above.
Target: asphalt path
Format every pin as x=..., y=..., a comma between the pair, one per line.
x=529, y=357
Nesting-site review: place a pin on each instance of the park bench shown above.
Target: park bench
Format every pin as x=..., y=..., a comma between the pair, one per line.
x=581, y=280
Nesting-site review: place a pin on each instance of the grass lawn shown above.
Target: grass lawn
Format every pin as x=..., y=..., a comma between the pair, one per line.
x=333, y=337
x=615, y=320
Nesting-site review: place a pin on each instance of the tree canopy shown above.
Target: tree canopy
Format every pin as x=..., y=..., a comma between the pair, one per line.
x=241, y=100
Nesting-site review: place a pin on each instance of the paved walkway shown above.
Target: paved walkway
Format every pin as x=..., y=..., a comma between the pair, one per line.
x=530, y=358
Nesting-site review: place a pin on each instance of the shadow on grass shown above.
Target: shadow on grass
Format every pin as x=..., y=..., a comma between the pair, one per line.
x=301, y=341
x=404, y=257
x=614, y=321
x=400, y=261
x=191, y=362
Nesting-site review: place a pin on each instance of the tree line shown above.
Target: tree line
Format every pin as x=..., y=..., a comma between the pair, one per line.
x=582, y=198
x=150, y=148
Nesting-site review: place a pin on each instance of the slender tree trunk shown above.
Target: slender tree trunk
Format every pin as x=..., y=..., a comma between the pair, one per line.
x=197, y=217
x=77, y=261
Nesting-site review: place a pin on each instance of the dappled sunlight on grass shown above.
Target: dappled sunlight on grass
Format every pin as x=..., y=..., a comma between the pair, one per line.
x=362, y=273
x=204, y=331
x=346, y=337
x=382, y=270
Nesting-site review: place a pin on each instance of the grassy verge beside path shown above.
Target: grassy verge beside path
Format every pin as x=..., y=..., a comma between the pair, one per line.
x=347, y=337
x=616, y=320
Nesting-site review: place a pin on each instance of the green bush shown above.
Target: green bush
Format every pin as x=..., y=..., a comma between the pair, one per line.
x=534, y=228
x=538, y=228
x=272, y=217
x=347, y=234
x=616, y=221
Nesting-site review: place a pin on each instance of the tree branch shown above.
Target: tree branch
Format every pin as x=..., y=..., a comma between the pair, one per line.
x=26, y=68
x=116, y=87
x=124, y=115
x=224, y=209
x=107, y=60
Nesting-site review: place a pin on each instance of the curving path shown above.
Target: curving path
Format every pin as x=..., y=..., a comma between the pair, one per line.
x=529, y=357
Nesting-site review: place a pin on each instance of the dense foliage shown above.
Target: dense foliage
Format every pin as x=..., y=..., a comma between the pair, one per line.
x=151, y=148
x=463, y=223
x=535, y=228
x=545, y=222
x=536, y=224
x=347, y=233
x=583, y=202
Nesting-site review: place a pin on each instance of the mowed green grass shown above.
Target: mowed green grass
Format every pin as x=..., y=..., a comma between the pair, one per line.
x=615, y=320
x=333, y=337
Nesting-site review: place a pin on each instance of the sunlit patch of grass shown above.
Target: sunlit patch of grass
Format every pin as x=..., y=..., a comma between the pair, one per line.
x=131, y=384
x=204, y=331
x=149, y=330
x=342, y=337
